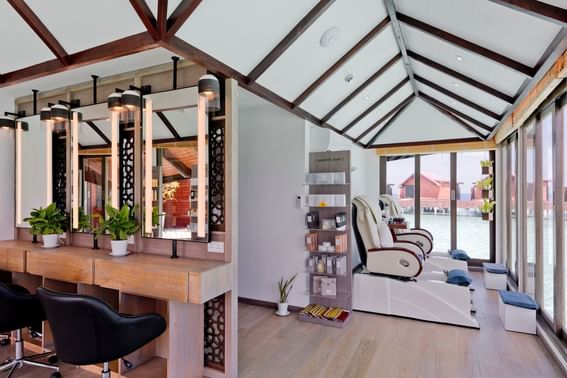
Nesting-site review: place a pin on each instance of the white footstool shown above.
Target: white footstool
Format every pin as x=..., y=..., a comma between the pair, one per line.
x=495, y=276
x=517, y=311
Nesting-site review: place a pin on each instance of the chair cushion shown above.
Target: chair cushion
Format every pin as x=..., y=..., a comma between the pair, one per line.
x=458, y=277
x=514, y=298
x=459, y=254
x=386, y=238
x=495, y=268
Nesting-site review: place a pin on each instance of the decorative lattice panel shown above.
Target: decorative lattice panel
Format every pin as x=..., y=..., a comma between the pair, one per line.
x=216, y=174
x=59, y=166
x=127, y=143
x=215, y=333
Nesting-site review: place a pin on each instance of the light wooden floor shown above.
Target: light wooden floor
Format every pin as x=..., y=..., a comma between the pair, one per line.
x=384, y=346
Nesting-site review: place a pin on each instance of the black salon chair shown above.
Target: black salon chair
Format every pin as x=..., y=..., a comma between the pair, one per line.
x=88, y=331
x=20, y=309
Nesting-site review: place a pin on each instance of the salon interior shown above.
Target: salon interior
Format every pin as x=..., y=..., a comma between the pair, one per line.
x=355, y=188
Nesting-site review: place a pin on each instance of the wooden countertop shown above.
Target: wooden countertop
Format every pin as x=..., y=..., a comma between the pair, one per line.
x=183, y=279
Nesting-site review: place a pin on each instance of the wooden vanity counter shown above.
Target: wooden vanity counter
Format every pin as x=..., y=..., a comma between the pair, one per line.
x=13, y=256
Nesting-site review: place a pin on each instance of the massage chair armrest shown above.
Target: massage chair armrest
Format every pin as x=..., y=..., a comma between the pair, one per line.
x=424, y=232
x=394, y=261
x=411, y=246
x=421, y=240
x=398, y=249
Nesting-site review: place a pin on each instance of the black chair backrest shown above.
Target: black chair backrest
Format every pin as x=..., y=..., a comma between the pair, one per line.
x=18, y=308
x=357, y=237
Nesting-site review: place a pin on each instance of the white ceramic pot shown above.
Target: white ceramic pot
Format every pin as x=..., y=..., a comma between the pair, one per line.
x=50, y=241
x=119, y=247
x=282, y=309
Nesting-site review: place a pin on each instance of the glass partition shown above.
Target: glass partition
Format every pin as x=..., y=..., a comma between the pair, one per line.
x=529, y=195
x=400, y=184
x=512, y=190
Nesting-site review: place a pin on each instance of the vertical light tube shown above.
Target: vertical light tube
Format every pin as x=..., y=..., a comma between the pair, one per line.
x=75, y=168
x=114, y=159
x=18, y=173
x=201, y=165
x=148, y=194
x=48, y=163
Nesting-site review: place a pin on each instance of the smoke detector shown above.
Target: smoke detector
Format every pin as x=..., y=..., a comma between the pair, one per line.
x=329, y=37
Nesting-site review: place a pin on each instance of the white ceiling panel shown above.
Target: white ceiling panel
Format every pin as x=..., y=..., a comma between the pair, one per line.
x=460, y=88
x=184, y=121
x=159, y=130
x=171, y=5
x=557, y=3
x=363, y=65
x=421, y=122
x=88, y=137
x=19, y=44
x=472, y=65
x=104, y=126
x=513, y=34
x=367, y=138
x=79, y=25
x=488, y=121
x=241, y=33
x=306, y=60
x=381, y=111
x=374, y=91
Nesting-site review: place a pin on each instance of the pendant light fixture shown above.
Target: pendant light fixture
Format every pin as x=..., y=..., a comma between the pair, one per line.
x=7, y=122
x=130, y=100
x=210, y=88
x=114, y=101
x=60, y=113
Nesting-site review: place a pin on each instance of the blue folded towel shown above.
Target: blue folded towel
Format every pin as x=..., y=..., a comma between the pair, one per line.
x=459, y=254
x=458, y=277
x=495, y=268
x=517, y=299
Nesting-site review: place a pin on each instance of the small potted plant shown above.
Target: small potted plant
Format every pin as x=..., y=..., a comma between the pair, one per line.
x=49, y=222
x=487, y=208
x=284, y=288
x=84, y=221
x=486, y=166
x=120, y=224
x=486, y=185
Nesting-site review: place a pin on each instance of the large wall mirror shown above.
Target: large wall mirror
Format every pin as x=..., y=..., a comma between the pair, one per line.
x=175, y=167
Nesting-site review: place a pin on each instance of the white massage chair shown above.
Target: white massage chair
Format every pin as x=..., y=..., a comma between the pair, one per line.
x=392, y=278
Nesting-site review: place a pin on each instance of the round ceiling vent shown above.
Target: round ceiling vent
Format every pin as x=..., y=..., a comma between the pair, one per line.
x=330, y=36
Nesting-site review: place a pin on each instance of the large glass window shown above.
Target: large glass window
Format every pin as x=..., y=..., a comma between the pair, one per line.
x=435, y=198
x=473, y=234
x=529, y=195
x=512, y=188
x=400, y=183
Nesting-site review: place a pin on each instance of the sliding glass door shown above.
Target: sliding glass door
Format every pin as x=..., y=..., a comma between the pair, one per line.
x=511, y=206
x=530, y=208
x=400, y=183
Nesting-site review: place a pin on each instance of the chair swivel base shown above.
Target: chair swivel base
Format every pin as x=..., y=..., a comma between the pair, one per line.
x=20, y=361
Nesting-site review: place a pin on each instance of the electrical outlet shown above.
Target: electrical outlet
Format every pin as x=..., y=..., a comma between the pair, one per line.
x=131, y=239
x=216, y=247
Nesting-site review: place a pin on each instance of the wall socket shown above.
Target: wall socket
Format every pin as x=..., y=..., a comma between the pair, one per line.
x=216, y=247
x=131, y=239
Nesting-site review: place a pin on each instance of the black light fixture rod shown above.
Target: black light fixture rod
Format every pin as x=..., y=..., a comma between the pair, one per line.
x=95, y=79
x=174, y=249
x=35, y=101
x=144, y=89
x=17, y=115
x=72, y=104
x=175, y=60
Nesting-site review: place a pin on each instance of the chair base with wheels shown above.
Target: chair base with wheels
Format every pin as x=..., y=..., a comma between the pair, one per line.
x=4, y=340
x=20, y=361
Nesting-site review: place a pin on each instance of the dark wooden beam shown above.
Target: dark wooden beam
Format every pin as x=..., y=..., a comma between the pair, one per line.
x=387, y=125
x=40, y=29
x=146, y=16
x=455, y=111
x=168, y=124
x=356, y=48
x=463, y=78
x=375, y=105
x=463, y=100
x=161, y=22
x=116, y=49
x=425, y=143
x=183, y=170
x=361, y=87
x=459, y=121
x=402, y=104
x=95, y=128
x=183, y=11
x=538, y=9
x=460, y=42
x=290, y=38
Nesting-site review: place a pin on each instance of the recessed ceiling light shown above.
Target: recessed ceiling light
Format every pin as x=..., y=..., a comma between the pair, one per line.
x=330, y=36
x=349, y=77
x=454, y=102
x=455, y=84
x=459, y=58
x=366, y=98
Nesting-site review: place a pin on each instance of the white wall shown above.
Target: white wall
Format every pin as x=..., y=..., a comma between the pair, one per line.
x=7, y=198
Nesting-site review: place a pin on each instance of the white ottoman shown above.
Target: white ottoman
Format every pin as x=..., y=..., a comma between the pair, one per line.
x=495, y=276
x=517, y=311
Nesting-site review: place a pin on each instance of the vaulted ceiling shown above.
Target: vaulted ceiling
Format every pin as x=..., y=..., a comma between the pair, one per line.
x=392, y=71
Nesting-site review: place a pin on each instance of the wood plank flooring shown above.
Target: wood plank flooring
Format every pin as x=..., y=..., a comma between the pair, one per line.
x=384, y=346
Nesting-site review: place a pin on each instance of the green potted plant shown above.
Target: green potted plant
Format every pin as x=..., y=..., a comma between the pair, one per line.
x=485, y=185
x=487, y=208
x=486, y=166
x=84, y=221
x=284, y=288
x=120, y=224
x=49, y=222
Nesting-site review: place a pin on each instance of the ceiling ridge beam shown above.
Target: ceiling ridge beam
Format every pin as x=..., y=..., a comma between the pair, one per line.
x=161, y=19
x=457, y=75
x=425, y=142
x=460, y=42
x=146, y=16
x=178, y=17
x=39, y=28
x=388, y=124
x=538, y=9
x=406, y=101
x=461, y=99
x=456, y=112
x=361, y=87
x=459, y=121
x=349, y=54
x=290, y=38
x=168, y=124
x=372, y=107
x=96, y=129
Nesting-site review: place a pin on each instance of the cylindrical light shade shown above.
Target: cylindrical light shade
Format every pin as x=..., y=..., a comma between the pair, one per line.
x=7, y=122
x=75, y=169
x=45, y=114
x=210, y=88
x=60, y=113
x=114, y=102
x=148, y=177
x=131, y=100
